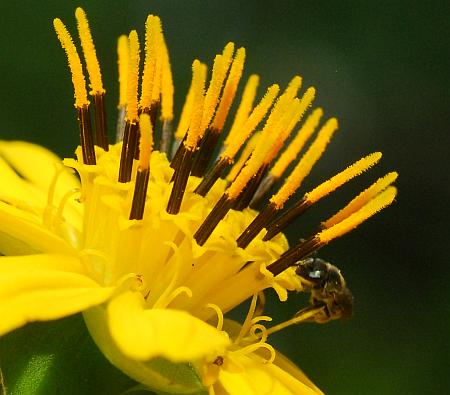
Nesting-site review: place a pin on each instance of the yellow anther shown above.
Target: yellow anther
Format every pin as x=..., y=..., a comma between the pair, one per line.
x=229, y=91
x=186, y=113
x=360, y=200
x=383, y=199
x=250, y=169
x=263, y=147
x=227, y=54
x=297, y=144
x=146, y=141
x=167, y=88
x=79, y=83
x=249, y=147
x=283, y=103
x=220, y=68
x=153, y=33
x=305, y=164
x=90, y=55
x=198, y=92
x=295, y=116
x=344, y=176
x=293, y=87
x=133, y=77
x=280, y=130
x=122, y=63
x=245, y=106
x=281, y=112
x=239, y=136
x=305, y=103
x=157, y=80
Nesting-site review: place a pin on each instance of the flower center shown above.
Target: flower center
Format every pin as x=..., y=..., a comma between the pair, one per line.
x=167, y=216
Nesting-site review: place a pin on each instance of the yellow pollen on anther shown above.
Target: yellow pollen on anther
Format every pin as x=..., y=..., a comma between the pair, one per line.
x=339, y=179
x=297, y=115
x=246, y=152
x=167, y=88
x=283, y=104
x=246, y=104
x=133, y=77
x=305, y=102
x=229, y=91
x=122, y=63
x=153, y=31
x=293, y=87
x=198, y=91
x=90, y=55
x=220, y=68
x=263, y=148
x=250, y=169
x=146, y=141
x=305, y=164
x=236, y=140
x=360, y=200
x=279, y=119
x=283, y=128
x=383, y=199
x=297, y=143
x=186, y=113
x=79, y=83
x=157, y=80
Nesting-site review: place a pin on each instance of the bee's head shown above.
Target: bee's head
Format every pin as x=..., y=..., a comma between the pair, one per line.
x=314, y=270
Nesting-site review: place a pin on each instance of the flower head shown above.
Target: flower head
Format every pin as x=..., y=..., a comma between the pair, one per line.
x=154, y=246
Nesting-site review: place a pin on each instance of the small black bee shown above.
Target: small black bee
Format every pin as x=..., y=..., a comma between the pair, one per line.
x=328, y=289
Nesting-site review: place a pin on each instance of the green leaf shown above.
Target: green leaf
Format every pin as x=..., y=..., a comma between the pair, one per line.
x=59, y=357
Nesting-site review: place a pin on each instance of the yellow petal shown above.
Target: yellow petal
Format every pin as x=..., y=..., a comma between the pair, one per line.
x=259, y=378
x=37, y=165
x=21, y=233
x=44, y=287
x=15, y=188
x=173, y=334
x=157, y=374
x=286, y=365
x=29, y=172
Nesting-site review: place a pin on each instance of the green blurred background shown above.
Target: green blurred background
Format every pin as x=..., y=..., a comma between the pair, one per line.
x=382, y=68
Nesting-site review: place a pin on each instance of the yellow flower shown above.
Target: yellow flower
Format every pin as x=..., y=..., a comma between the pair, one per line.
x=154, y=246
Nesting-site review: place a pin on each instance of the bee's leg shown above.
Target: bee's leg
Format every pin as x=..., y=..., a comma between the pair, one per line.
x=321, y=313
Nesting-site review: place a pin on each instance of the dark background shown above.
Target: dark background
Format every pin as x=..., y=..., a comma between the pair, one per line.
x=381, y=68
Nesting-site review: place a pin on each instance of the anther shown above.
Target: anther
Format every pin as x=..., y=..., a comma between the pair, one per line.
x=288, y=155
x=167, y=92
x=319, y=192
x=93, y=68
x=359, y=201
x=79, y=84
x=131, y=133
x=261, y=220
x=306, y=163
x=214, y=217
x=248, y=193
x=296, y=253
x=182, y=162
x=212, y=134
x=306, y=247
x=143, y=171
x=212, y=176
x=87, y=143
x=236, y=138
x=122, y=60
